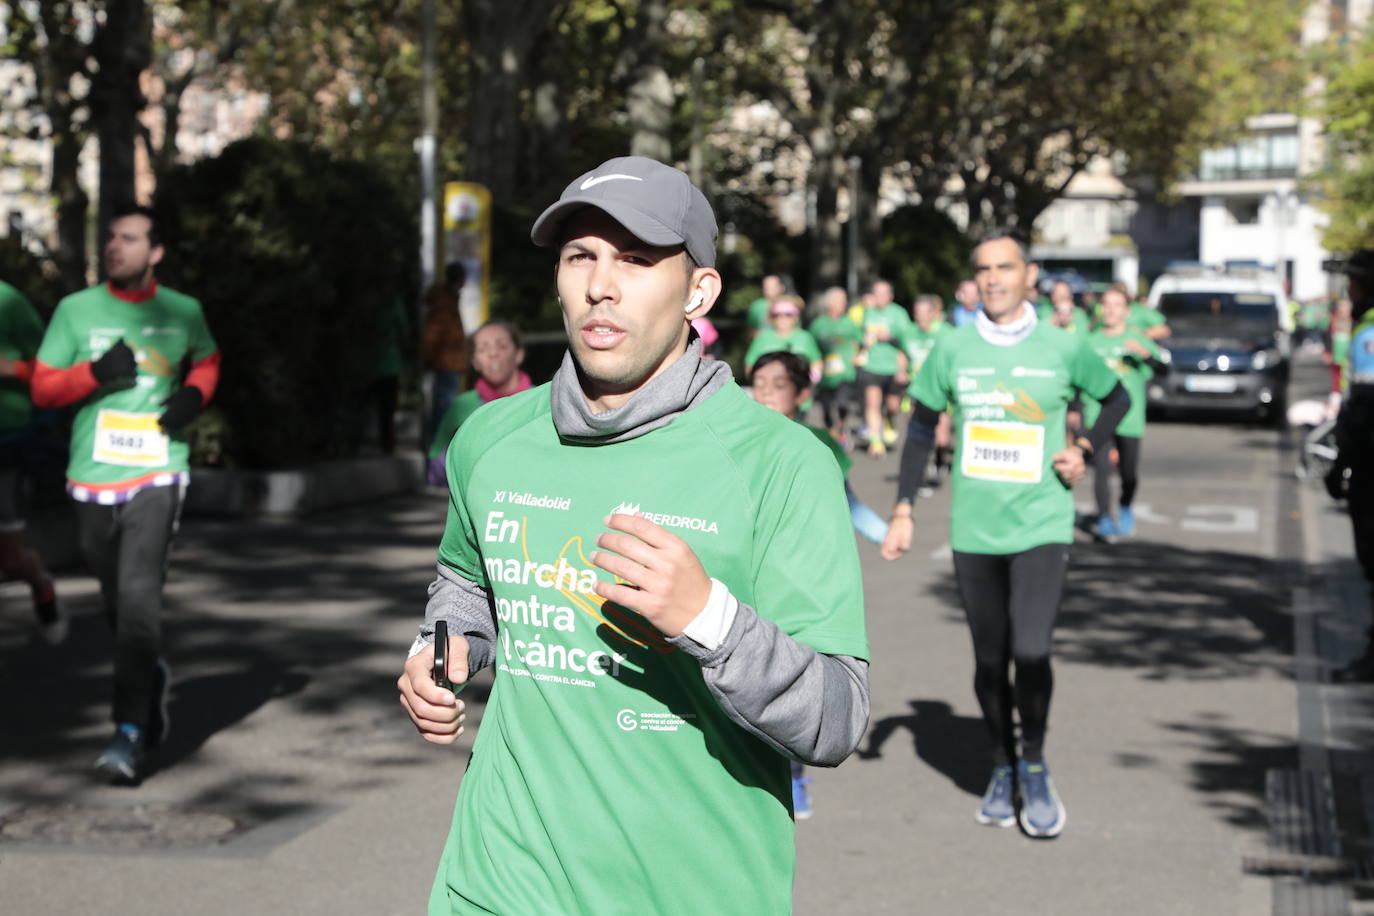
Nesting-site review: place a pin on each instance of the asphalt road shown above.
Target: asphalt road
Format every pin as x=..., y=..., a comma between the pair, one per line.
x=1174, y=696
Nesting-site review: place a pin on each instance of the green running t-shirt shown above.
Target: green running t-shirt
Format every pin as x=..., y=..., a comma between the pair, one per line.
x=918, y=344
x=839, y=340
x=1009, y=405
x=115, y=436
x=757, y=317
x=1133, y=371
x=841, y=456
x=459, y=409
x=605, y=777
x=880, y=356
x=770, y=341
x=21, y=330
x=1078, y=320
x=1142, y=317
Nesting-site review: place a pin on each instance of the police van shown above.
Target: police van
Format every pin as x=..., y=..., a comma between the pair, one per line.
x=1229, y=342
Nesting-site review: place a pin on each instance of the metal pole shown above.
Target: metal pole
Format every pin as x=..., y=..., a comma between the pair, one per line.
x=429, y=130
x=852, y=275
x=696, y=156
x=428, y=133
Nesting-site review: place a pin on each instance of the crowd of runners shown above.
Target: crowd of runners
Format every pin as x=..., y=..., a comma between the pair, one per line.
x=655, y=552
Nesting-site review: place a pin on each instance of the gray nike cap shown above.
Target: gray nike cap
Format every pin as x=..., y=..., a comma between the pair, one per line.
x=656, y=202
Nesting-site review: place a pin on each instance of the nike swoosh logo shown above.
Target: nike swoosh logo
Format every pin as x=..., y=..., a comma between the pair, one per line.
x=593, y=182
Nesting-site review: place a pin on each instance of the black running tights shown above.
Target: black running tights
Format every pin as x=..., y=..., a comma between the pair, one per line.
x=1128, y=464
x=1011, y=601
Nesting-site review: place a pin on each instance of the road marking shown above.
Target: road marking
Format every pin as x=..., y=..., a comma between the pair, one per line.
x=1232, y=520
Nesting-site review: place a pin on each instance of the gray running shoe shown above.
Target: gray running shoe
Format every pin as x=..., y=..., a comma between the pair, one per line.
x=1042, y=813
x=997, y=808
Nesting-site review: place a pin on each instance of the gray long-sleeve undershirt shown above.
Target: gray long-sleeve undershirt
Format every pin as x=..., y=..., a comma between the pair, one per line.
x=806, y=705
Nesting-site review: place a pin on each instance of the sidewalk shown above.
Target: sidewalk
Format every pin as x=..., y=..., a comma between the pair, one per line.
x=1335, y=721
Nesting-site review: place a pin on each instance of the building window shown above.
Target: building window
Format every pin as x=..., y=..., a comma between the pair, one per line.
x=1243, y=211
x=1266, y=155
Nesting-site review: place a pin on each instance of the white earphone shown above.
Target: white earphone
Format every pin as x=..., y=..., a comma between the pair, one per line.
x=696, y=301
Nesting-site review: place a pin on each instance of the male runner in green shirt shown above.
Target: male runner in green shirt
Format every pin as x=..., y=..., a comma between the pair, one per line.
x=662, y=574
x=1008, y=378
x=927, y=326
x=773, y=289
x=882, y=365
x=1135, y=359
x=1062, y=312
x=839, y=338
x=21, y=330
x=139, y=362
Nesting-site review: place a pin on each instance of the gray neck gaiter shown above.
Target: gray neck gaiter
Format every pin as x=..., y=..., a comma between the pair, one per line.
x=682, y=386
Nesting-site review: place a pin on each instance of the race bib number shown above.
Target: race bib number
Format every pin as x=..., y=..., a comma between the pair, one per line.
x=132, y=440
x=1008, y=452
x=834, y=364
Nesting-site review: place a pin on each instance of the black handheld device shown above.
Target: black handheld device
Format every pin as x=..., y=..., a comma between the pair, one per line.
x=441, y=654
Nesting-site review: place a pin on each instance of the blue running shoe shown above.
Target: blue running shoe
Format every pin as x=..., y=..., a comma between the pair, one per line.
x=1105, y=529
x=1125, y=522
x=801, y=799
x=120, y=761
x=1042, y=813
x=998, y=807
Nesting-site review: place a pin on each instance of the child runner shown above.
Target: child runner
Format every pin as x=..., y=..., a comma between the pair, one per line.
x=782, y=382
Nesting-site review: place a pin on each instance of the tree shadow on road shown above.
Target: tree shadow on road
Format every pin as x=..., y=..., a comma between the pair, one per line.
x=1162, y=612
x=956, y=746
x=1174, y=612
x=316, y=613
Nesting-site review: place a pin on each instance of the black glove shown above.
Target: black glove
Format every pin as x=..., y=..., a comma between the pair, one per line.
x=118, y=363
x=181, y=408
x=1337, y=482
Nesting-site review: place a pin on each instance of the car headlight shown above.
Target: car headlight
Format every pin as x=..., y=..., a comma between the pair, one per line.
x=1165, y=356
x=1263, y=359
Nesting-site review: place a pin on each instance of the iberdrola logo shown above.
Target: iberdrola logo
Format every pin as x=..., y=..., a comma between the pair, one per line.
x=668, y=520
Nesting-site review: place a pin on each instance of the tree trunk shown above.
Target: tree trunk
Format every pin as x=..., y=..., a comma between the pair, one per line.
x=72, y=202
x=649, y=98
x=123, y=49
x=500, y=37
x=827, y=239
x=870, y=219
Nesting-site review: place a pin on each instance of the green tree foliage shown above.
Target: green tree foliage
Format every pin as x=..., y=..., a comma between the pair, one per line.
x=34, y=276
x=296, y=255
x=944, y=253
x=1349, y=181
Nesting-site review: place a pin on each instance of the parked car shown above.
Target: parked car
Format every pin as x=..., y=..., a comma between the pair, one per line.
x=1229, y=343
